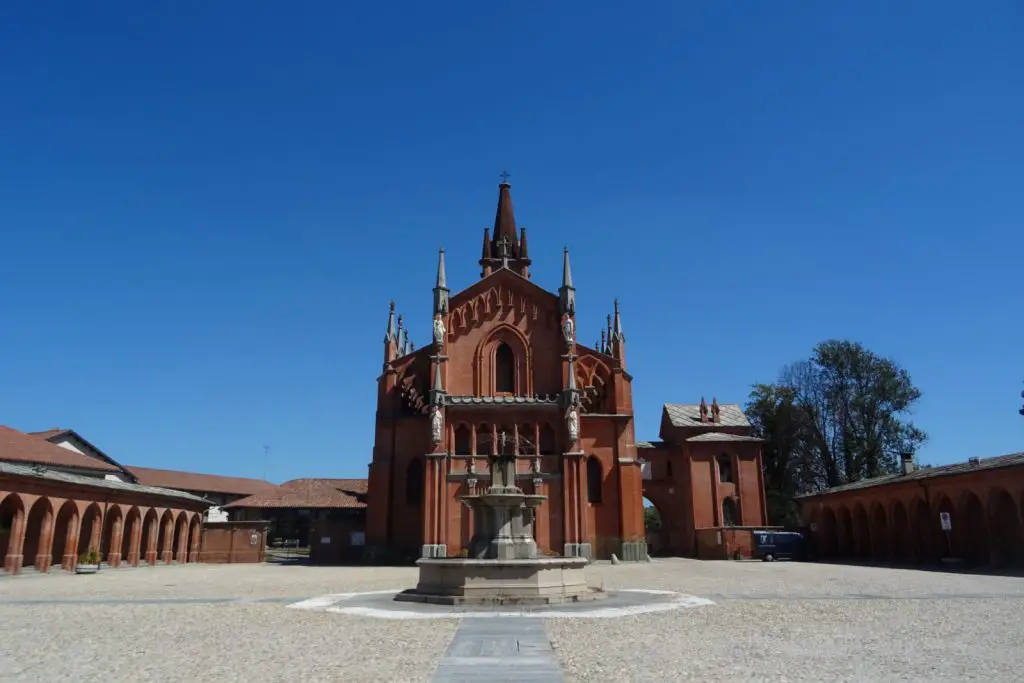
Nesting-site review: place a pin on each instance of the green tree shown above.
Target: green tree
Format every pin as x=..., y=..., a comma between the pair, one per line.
x=652, y=520
x=837, y=417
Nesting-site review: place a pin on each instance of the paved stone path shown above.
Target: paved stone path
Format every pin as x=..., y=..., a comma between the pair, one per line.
x=500, y=650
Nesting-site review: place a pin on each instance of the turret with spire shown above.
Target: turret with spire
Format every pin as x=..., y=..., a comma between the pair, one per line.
x=618, y=339
x=505, y=249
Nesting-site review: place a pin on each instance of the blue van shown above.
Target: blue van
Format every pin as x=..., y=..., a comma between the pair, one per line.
x=779, y=545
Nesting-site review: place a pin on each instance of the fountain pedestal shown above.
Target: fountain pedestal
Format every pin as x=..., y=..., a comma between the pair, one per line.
x=502, y=567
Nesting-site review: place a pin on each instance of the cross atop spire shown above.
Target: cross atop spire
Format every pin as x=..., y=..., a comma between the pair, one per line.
x=504, y=177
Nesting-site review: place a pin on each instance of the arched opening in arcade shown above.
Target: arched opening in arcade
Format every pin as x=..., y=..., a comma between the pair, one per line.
x=861, y=533
x=879, y=533
x=193, y=540
x=844, y=537
x=111, y=526
x=828, y=532
x=180, y=538
x=899, y=535
x=1007, y=535
x=163, y=539
x=40, y=517
x=130, y=530
x=89, y=533
x=973, y=532
x=63, y=545
x=150, y=532
x=12, y=514
x=927, y=543
x=655, y=529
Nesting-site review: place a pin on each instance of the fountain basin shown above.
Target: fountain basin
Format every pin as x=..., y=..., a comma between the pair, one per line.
x=492, y=582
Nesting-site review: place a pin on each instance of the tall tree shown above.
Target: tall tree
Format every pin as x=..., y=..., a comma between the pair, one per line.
x=837, y=417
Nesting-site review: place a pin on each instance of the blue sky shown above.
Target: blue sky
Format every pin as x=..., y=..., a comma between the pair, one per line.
x=206, y=206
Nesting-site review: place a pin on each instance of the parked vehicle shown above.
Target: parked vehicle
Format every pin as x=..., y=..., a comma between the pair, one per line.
x=779, y=545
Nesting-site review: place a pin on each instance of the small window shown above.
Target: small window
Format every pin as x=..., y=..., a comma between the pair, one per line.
x=547, y=439
x=463, y=440
x=725, y=469
x=729, y=512
x=593, y=480
x=414, y=482
x=504, y=370
x=526, y=440
x=668, y=469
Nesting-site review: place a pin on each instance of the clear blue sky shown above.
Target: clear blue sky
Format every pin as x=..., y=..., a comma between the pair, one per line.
x=206, y=206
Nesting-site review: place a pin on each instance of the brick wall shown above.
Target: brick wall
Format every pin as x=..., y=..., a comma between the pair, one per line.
x=234, y=542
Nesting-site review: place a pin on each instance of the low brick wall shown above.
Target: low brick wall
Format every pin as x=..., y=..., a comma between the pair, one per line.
x=234, y=542
x=722, y=543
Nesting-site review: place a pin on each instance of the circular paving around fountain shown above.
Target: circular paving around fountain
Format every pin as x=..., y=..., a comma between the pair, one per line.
x=618, y=603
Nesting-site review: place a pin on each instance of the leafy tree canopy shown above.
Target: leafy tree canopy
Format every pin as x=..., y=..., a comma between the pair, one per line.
x=837, y=417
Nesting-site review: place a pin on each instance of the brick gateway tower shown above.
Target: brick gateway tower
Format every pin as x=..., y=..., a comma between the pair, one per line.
x=504, y=373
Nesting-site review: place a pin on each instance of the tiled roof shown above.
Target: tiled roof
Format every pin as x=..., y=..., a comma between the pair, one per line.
x=192, y=481
x=549, y=399
x=1011, y=460
x=650, y=444
x=50, y=433
x=688, y=415
x=17, y=446
x=720, y=436
x=23, y=470
x=307, y=493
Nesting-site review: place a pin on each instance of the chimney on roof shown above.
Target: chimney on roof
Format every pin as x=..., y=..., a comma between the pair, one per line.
x=703, y=410
x=715, y=411
x=907, y=462
x=974, y=462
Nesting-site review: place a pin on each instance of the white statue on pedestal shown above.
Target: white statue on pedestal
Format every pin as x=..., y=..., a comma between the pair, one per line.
x=567, y=331
x=439, y=331
x=436, y=424
x=573, y=423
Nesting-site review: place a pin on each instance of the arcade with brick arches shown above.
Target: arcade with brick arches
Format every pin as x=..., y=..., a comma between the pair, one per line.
x=505, y=373
x=898, y=518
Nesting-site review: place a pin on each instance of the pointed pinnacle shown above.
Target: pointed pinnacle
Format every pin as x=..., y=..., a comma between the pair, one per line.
x=566, y=269
x=442, y=281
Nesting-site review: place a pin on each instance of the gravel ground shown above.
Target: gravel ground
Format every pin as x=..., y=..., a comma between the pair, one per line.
x=773, y=622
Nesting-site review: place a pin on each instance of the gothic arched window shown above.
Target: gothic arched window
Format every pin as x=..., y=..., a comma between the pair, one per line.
x=593, y=480
x=463, y=440
x=725, y=469
x=414, y=482
x=730, y=515
x=504, y=370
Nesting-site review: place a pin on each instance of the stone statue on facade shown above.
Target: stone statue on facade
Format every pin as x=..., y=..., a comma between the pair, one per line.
x=436, y=424
x=567, y=331
x=572, y=421
x=439, y=331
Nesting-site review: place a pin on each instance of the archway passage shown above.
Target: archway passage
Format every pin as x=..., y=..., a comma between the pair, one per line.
x=193, y=541
x=180, y=539
x=879, y=533
x=654, y=529
x=1007, y=536
x=828, y=532
x=861, y=533
x=40, y=517
x=846, y=546
x=110, y=551
x=129, y=530
x=12, y=515
x=164, y=537
x=89, y=533
x=148, y=549
x=900, y=535
x=63, y=545
x=926, y=545
x=972, y=532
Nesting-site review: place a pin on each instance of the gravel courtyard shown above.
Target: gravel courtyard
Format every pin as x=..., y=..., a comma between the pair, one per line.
x=771, y=622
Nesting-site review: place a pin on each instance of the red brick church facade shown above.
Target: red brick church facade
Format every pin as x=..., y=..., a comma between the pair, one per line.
x=505, y=373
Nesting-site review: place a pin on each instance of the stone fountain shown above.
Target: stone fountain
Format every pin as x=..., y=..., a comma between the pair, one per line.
x=502, y=566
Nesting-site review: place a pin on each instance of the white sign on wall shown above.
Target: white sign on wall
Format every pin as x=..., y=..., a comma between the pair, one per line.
x=357, y=538
x=325, y=540
x=945, y=521
x=254, y=539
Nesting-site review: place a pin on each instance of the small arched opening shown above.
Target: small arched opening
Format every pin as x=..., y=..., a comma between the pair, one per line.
x=164, y=537
x=900, y=534
x=828, y=533
x=861, y=532
x=594, y=480
x=108, y=539
x=845, y=536
x=12, y=515
x=39, y=517
x=192, y=551
x=414, y=482
x=1006, y=529
x=655, y=529
x=63, y=550
x=463, y=440
x=89, y=533
x=725, y=469
x=504, y=369
x=879, y=533
x=973, y=532
x=547, y=439
x=730, y=511
x=148, y=548
x=129, y=530
x=180, y=538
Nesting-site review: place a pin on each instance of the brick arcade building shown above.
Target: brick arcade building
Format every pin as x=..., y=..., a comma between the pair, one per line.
x=505, y=373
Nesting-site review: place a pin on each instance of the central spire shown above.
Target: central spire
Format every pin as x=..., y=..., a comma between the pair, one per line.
x=503, y=246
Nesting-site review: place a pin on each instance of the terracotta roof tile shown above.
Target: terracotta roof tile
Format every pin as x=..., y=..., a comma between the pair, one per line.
x=193, y=481
x=309, y=493
x=18, y=446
